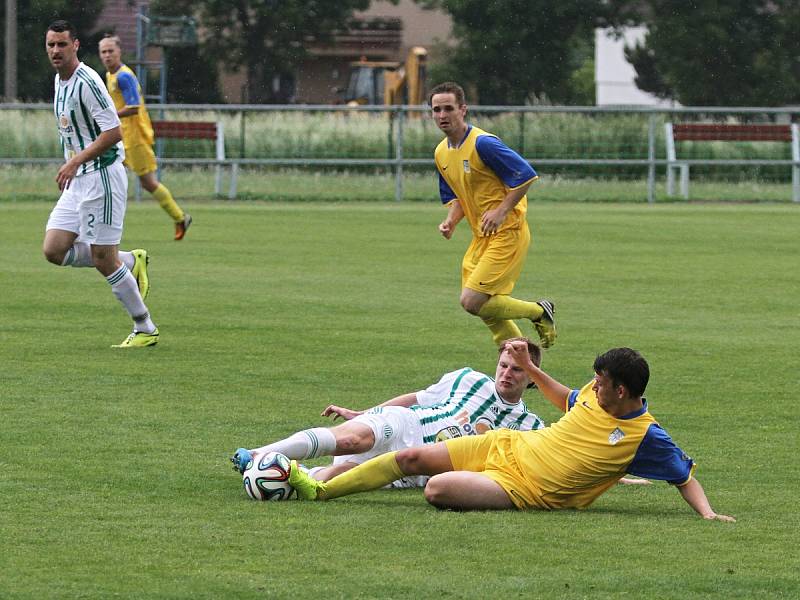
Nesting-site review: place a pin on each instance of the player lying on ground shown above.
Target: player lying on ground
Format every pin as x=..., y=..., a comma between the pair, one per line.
x=461, y=403
x=607, y=431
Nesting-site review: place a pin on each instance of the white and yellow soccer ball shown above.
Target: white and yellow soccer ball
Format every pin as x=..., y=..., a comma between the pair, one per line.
x=267, y=477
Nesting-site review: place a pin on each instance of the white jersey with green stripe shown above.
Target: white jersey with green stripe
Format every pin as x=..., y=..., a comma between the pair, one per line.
x=83, y=110
x=465, y=402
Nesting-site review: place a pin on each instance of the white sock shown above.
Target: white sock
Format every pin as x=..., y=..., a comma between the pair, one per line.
x=79, y=255
x=311, y=443
x=124, y=286
x=127, y=258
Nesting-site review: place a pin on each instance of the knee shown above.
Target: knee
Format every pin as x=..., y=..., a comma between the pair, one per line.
x=435, y=492
x=409, y=460
x=354, y=442
x=471, y=305
x=54, y=255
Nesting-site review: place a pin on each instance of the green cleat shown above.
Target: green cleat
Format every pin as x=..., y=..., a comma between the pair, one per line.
x=139, y=271
x=546, y=325
x=139, y=339
x=307, y=487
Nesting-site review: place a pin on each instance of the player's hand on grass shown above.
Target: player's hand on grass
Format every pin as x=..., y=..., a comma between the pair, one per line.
x=339, y=411
x=716, y=517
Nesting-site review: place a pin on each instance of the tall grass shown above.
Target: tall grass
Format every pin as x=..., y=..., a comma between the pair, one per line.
x=319, y=134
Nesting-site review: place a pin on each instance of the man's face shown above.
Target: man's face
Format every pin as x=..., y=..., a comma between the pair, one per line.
x=510, y=380
x=110, y=54
x=448, y=116
x=62, y=50
x=608, y=395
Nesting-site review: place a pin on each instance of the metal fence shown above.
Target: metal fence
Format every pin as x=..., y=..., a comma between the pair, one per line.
x=573, y=142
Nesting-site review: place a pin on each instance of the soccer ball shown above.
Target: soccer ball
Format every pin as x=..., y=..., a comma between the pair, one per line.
x=267, y=478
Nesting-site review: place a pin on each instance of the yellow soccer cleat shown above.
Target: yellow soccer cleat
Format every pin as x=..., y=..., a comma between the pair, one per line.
x=139, y=339
x=546, y=324
x=139, y=271
x=307, y=487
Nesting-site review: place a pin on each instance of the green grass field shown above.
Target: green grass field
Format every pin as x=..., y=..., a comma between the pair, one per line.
x=115, y=476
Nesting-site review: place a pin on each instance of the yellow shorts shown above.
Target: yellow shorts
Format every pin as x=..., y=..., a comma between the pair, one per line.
x=489, y=455
x=492, y=264
x=140, y=159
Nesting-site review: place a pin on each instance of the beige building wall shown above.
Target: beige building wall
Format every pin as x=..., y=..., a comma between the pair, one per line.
x=420, y=27
x=323, y=77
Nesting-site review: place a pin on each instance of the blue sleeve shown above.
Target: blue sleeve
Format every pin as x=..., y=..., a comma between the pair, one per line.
x=130, y=89
x=510, y=167
x=445, y=191
x=573, y=396
x=659, y=458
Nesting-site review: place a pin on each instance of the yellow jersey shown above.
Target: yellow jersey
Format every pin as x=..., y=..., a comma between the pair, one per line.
x=125, y=91
x=577, y=458
x=479, y=172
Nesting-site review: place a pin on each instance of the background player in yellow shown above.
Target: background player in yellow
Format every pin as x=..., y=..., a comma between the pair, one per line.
x=137, y=132
x=607, y=431
x=482, y=179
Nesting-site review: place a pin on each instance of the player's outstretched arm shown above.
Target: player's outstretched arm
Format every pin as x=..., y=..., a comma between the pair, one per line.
x=340, y=412
x=695, y=496
x=557, y=393
x=337, y=412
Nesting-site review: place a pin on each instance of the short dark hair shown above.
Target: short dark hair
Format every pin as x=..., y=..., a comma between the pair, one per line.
x=533, y=350
x=624, y=366
x=61, y=25
x=448, y=87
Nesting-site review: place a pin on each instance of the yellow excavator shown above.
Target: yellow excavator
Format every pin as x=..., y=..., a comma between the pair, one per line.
x=387, y=82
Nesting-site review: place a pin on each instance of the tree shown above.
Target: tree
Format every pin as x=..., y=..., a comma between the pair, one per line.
x=34, y=72
x=266, y=37
x=518, y=51
x=705, y=53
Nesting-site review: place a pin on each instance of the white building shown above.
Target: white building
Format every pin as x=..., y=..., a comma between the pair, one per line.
x=614, y=76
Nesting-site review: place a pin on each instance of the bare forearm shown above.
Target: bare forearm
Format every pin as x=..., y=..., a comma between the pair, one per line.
x=404, y=400
x=103, y=142
x=128, y=111
x=455, y=213
x=695, y=497
x=556, y=392
x=513, y=197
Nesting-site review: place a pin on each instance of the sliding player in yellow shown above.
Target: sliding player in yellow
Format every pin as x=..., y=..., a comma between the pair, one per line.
x=482, y=179
x=607, y=431
x=137, y=131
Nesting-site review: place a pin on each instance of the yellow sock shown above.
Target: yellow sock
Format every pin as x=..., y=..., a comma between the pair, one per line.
x=167, y=202
x=502, y=329
x=371, y=475
x=506, y=307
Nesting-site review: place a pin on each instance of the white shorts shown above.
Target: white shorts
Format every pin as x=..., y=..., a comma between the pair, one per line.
x=93, y=206
x=394, y=428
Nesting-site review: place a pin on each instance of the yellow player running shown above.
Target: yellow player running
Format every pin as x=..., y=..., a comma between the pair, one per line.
x=137, y=131
x=482, y=179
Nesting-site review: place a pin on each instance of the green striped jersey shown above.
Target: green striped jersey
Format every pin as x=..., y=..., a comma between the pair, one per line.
x=83, y=109
x=465, y=402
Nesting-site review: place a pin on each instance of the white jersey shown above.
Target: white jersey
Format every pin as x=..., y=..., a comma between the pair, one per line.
x=84, y=109
x=465, y=402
